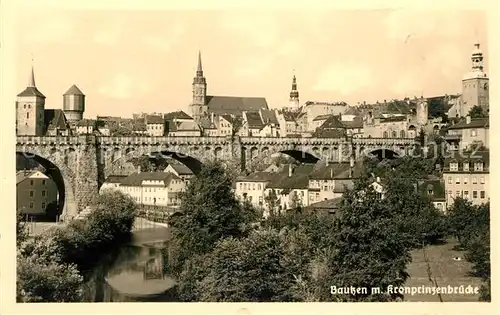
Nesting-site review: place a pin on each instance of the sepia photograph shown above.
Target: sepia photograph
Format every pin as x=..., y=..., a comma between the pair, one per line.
x=251, y=155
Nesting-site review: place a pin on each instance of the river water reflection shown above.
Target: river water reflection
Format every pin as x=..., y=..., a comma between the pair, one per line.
x=138, y=271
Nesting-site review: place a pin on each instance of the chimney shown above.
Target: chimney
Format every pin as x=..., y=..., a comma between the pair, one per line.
x=364, y=102
x=331, y=172
x=139, y=169
x=467, y=119
x=212, y=117
x=378, y=179
x=289, y=170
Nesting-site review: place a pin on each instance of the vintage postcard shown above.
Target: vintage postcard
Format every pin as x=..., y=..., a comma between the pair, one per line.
x=188, y=153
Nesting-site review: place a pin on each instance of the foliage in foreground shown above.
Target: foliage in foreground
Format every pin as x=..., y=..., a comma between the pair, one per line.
x=470, y=224
x=210, y=212
x=51, y=267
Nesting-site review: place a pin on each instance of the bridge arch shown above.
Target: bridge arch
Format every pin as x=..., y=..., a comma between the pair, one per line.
x=55, y=169
x=301, y=156
x=383, y=153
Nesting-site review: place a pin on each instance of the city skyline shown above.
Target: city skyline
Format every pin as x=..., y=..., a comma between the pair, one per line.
x=155, y=74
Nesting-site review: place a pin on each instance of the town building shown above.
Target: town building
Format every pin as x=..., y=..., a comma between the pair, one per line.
x=469, y=134
x=466, y=175
x=155, y=125
x=180, y=170
x=36, y=193
x=153, y=189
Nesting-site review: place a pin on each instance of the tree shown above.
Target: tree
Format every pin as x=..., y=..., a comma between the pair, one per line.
x=21, y=231
x=47, y=281
x=477, y=112
x=272, y=202
x=42, y=276
x=369, y=251
x=421, y=137
x=296, y=203
x=262, y=267
x=210, y=212
x=236, y=125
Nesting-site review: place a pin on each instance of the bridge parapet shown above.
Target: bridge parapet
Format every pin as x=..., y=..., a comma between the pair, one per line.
x=288, y=141
x=384, y=141
x=54, y=140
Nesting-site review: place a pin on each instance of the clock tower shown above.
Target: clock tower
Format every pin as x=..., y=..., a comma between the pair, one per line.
x=199, y=107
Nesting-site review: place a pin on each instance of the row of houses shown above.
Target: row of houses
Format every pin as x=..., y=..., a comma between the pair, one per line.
x=152, y=189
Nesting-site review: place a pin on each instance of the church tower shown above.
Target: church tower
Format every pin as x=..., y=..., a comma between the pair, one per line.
x=30, y=110
x=199, y=107
x=294, y=95
x=475, y=84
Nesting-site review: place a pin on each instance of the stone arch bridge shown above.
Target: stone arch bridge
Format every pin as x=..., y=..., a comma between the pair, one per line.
x=79, y=164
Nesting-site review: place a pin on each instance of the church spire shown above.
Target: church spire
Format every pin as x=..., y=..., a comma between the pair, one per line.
x=31, y=82
x=199, y=72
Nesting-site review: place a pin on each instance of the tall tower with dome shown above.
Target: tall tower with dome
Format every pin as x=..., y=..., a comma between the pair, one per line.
x=475, y=84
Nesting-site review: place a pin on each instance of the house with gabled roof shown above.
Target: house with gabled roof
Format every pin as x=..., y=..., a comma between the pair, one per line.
x=469, y=133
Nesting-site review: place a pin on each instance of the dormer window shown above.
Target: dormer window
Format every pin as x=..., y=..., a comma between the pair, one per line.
x=454, y=166
x=478, y=166
x=466, y=166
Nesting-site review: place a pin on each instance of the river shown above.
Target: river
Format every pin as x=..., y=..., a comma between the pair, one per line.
x=136, y=272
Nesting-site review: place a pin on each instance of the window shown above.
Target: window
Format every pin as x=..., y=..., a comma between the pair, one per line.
x=253, y=186
x=474, y=180
x=27, y=115
x=24, y=106
x=43, y=205
x=259, y=186
x=473, y=133
x=483, y=194
x=31, y=205
x=43, y=181
x=402, y=133
x=450, y=179
x=466, y=166
x=482, y=180
x=474, y=194
x=260, y=199
x=457, y=180
x=250, y=198
x=31, y=182
x=454, y=166
x=466, y=194
x=32, y=193
x=457, y=193
x=241, y=185
x=478, y=166
x=430, y=192
x=466, y=180
x=450, y=193
x=386, y=135
x=43, y=193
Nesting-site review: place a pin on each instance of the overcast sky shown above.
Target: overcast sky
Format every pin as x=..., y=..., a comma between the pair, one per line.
x=133, y=61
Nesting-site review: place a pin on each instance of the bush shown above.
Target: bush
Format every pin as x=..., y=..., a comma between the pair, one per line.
x=51, y=266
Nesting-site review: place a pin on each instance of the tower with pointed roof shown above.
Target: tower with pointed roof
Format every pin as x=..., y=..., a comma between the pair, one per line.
x=30, y=110
x=475, y=84
x=294, y=94
x=199, y=106
x=73, y=104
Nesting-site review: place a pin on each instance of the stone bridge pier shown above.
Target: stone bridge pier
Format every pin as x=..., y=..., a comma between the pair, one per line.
x=71, y=162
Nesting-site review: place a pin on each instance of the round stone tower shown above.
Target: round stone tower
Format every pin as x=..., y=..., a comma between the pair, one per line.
x=74, y=104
